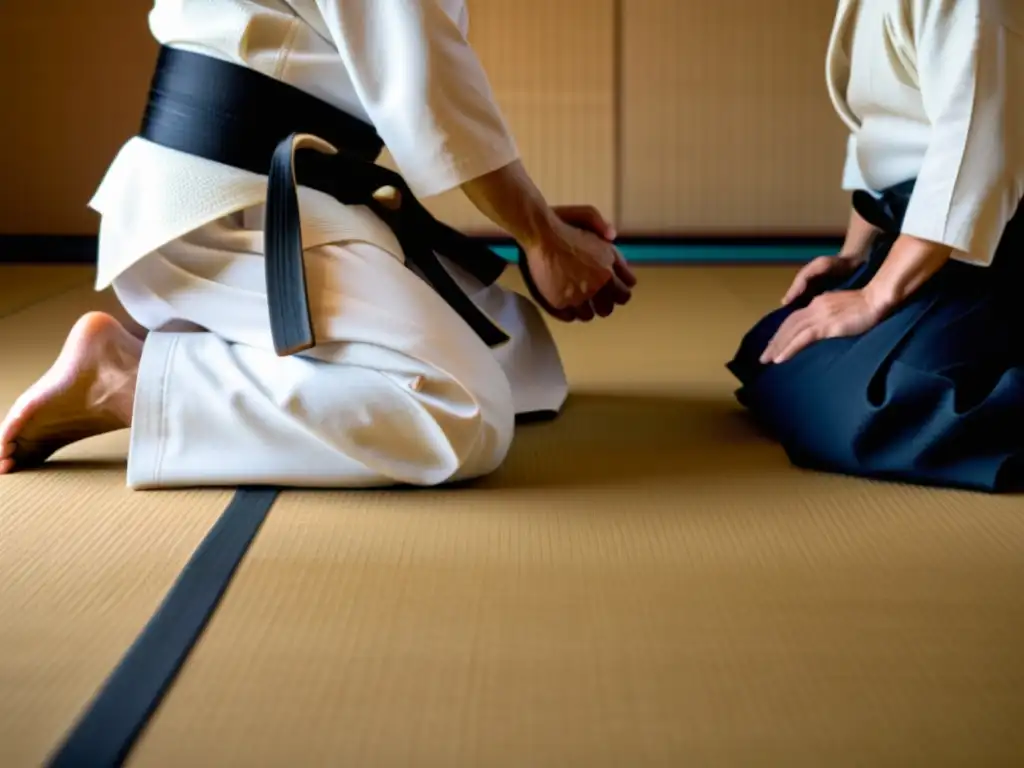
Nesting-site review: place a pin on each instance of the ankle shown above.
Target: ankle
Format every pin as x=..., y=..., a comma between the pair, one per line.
x=120, y=397
x=123, y=407
x=111, y=394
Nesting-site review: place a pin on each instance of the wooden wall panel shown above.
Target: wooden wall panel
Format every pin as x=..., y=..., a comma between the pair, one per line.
x=726, y=121
x=552, y=68
x=73, y=76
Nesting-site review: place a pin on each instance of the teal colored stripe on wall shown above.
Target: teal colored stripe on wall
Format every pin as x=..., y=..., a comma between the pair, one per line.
x=707, y=254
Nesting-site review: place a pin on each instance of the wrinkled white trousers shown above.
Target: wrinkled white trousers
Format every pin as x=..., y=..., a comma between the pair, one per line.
x=398, y=390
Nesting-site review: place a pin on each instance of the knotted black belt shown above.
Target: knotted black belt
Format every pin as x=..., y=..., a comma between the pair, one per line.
x=235, y=116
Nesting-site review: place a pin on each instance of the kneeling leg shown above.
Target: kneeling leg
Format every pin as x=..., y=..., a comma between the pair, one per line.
x=209, y=412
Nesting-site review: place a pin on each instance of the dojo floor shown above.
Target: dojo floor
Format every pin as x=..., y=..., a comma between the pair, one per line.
x=646, y=582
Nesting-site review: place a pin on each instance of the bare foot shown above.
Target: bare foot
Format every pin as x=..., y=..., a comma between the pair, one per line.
x=88, y=391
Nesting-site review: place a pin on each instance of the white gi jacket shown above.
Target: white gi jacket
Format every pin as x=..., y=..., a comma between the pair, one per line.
x=934, y=90
x=404, y=66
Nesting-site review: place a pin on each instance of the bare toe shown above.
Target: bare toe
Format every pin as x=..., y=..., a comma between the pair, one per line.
x=87, y=391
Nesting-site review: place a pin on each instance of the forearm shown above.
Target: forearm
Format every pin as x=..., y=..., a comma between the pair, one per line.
x=859, y=237
x=510, y=199
x=909, y=265
x=422, y=87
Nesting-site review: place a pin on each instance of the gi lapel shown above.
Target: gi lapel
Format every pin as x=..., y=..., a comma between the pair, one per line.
x=837, y=68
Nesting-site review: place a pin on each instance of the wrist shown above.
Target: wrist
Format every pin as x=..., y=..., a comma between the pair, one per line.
x=856, y=249
x=881, y=295
x=539, y=231
x=860, y=237
x=510, y=199
x=909, y=264
x=854, y=256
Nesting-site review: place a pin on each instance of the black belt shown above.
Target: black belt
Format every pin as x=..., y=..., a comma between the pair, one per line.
x=886, y=211
x=235, y=116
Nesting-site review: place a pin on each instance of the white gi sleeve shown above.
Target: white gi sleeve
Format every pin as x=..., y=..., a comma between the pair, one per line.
x=853, y=177
x=970, y=64
x=424, y=89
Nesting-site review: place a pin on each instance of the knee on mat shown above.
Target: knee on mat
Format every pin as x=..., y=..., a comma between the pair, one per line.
x=483, y=442
x=451, y=436
x=815, y=433
x=472, y=449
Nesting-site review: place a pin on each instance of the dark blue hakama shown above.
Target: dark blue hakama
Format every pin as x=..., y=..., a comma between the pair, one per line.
x=932, y=395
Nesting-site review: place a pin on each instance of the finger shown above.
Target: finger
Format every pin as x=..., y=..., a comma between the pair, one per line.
x=795, y=290
x=586, y=217
x=575, y=286
x=623, y=271
x=604, y=301
x=584, y=312
x=586, y=289
x=555, y=305
x=780, y=338
x=620, y=292
x=803, y=279
x=560, y=303
x=578, y=286
x=793, y=325
x=799, y=342
x=615, y=290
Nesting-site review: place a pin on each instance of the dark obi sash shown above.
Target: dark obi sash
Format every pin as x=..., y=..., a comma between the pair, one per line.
x=933, y=395
x=235, y=116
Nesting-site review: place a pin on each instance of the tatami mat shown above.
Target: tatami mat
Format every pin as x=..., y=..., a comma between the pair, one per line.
x=645, y=582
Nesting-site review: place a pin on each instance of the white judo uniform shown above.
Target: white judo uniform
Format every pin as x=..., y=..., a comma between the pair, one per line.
x=399, y=389
x=930, y=90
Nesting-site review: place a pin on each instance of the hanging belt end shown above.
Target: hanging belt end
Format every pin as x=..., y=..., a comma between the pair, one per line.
x=294, y=349
x=291, y=334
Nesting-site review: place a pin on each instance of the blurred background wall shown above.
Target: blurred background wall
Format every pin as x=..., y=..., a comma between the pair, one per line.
x=677, y=117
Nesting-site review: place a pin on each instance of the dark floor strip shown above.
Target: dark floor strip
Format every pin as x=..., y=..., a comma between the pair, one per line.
x=117, y=716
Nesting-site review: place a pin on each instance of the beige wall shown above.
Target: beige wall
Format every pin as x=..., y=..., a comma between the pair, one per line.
x=551, y=66
x=716, y=121
x=73, y=79
x=727, y=123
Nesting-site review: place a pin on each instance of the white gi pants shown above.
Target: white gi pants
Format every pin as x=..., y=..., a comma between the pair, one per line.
x=398, y=390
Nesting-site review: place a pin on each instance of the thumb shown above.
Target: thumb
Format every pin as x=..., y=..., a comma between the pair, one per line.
x=817, y=267
x=798, y=287
x=586, y=217
x=623, y=270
